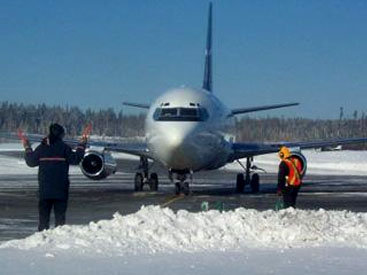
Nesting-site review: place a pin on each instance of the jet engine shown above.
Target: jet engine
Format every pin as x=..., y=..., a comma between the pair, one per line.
x=303, y=161
x=98, y=165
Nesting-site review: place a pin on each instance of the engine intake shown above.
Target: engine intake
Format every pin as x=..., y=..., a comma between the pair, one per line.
x=98, y=165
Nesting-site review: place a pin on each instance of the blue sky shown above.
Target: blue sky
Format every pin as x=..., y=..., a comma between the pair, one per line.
x=99, y=53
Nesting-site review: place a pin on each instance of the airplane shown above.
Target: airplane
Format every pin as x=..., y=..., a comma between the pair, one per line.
x=190, y=130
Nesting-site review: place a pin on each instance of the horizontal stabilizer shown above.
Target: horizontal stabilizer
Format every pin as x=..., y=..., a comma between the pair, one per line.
x=261, y=108
x=136, y=105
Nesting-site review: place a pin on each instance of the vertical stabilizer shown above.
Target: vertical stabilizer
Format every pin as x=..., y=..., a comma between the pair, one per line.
x=208, y=82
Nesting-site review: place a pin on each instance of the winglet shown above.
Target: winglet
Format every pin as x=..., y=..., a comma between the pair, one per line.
x=208, y=81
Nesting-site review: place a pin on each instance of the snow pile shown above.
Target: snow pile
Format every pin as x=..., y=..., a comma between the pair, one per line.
x=154, y=229
x=318, y=163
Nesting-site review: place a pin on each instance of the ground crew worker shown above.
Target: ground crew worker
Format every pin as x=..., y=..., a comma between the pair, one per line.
x=289, y=177
x=53, y=157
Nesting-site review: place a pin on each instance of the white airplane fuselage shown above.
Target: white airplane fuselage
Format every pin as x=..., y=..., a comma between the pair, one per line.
x=189, y=130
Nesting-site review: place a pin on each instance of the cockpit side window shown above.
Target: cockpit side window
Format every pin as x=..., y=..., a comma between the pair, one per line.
x=169, y=112
x=181, y=114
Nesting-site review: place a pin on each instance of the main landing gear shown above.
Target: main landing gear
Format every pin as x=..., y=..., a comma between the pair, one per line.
x=246, y=179
x=181, y=185
x=142, y=177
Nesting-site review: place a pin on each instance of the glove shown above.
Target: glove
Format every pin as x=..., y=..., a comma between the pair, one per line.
x=83, y=140
x=26, y=143
x=23, y=139
x=86, y=134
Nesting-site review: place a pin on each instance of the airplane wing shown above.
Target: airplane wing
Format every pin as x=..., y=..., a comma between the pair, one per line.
x=243, y=150
x=260, y=108
x=133, y=148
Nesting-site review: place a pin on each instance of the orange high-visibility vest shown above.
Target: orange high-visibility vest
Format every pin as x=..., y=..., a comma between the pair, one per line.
x=295, y=169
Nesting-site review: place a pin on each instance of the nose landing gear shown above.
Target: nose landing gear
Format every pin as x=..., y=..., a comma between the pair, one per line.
x=142, y=177
x=181, y=186
x=243, y=180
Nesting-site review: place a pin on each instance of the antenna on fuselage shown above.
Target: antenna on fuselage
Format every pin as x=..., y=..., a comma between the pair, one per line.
x=208, y=82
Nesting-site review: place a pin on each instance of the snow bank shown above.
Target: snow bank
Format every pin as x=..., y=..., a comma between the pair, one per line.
x=318, y=163
x=154, y=229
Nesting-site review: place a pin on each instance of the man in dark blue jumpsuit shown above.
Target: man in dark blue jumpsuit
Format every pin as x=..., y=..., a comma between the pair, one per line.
x=53, y=157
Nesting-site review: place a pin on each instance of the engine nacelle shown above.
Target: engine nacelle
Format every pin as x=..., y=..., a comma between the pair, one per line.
x=98, y=165
x=303, y=161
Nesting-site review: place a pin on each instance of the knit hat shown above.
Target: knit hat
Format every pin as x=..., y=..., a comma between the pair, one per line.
x=56, y=131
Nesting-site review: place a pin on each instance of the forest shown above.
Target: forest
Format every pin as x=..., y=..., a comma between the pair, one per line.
x=108, y=122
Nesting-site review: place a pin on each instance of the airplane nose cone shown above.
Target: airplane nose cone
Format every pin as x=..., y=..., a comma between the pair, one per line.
x=176, y=138
x=175, y=146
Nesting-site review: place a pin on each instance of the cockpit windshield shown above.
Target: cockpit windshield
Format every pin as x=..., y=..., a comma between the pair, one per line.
x=180, y=114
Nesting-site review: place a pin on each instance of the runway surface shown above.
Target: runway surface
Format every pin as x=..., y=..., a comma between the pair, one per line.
x=96, y=200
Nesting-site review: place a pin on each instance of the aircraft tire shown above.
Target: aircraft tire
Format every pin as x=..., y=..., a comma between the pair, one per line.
x=177, y=188
x=255, y=183
x=153, y=182
x=185, y=188
x=240, y=183
x=138, y=182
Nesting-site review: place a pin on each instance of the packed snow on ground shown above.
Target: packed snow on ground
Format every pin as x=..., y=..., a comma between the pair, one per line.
x=326, y=163
x=318, y=163
x=156, y=240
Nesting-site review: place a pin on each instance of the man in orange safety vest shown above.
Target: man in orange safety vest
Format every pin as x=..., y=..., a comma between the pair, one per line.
x=289, y=177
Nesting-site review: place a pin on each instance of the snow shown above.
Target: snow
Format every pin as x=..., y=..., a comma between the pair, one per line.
x=158, y=240
x=155, y=229
x=318, y=163
x=17, y=165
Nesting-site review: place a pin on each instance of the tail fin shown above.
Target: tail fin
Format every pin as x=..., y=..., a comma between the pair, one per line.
x=208, y=82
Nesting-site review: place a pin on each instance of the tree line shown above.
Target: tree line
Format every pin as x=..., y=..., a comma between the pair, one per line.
x=108, y=122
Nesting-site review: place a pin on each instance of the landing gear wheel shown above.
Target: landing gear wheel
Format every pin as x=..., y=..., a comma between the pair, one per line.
x=138, y=182
x=185, y=188
x=255, y=183
x=182, y=187
x=240, y=183
x=177, y=188
x=153, y=182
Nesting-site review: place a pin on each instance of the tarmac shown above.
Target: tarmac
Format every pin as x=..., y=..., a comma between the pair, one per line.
x=95, y=200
